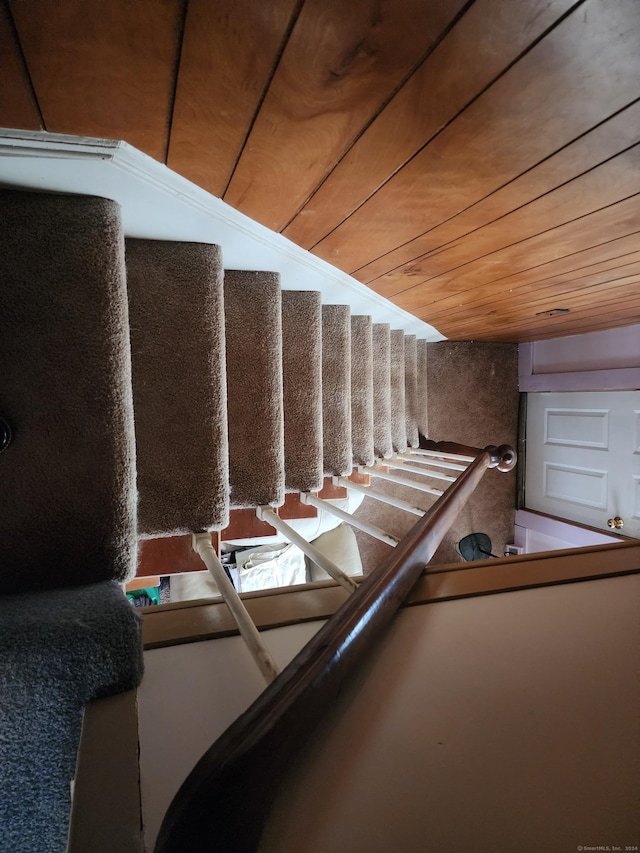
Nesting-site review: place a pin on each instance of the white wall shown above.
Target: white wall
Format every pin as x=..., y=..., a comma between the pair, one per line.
x=189, y=695
x=604, y=350
x=535, y=532
x=502, y=723
x=597, y=361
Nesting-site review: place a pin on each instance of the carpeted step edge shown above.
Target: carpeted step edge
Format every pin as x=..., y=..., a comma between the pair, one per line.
x=65, y=387
x=362, y=390
x=255, y=408
x=383, y=446
x=397, y=390
x=302, y=389
x=336, y=389
x=411, y=389
x=423, y=420
x=176, y=312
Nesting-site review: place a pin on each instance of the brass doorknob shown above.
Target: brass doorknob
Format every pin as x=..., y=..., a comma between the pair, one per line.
x=616, y=523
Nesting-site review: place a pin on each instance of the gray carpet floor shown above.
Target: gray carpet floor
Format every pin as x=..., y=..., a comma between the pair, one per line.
x=473, y=399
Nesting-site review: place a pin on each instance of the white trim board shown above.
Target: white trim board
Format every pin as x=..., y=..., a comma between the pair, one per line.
x=157, y=203
x=608, y=360
x=568, y=534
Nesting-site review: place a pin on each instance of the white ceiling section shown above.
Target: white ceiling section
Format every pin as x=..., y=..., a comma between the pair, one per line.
x=159, y=204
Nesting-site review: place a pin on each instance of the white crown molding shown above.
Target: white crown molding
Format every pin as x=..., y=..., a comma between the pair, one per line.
x=144, y=168
x=35, y=143
x=135, y=166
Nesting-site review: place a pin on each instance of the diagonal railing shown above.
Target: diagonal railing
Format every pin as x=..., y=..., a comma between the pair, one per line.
x=224, y=802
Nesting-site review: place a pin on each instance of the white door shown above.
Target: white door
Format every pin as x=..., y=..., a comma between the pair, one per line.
x=583, y=457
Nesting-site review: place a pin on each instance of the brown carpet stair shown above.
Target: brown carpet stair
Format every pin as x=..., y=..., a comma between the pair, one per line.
x=383, y=445
x=228, y=391
x=423, y=420
x=176, y=322
x=397, y=390
x=411, y=389
x=302, y=389
x=68, y=477
x=336, y=389
x=68, y=520
x=253, y=321
x=362, y=390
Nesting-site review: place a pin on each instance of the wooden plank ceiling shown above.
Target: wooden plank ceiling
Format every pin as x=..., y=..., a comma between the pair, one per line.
x=477, y=162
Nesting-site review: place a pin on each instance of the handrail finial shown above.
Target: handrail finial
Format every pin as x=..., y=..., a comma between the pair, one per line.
x=504, y=458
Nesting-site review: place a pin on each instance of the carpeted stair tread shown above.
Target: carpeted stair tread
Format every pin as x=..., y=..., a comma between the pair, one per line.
x=411, y=389
x=179, y=385
x=68, y=477
x=253, y=320
x=362, y=390
x=383, y=446
x=336, y=389
x=423, y=422
x=398, y=424
x=302, y=387
x=60, y=649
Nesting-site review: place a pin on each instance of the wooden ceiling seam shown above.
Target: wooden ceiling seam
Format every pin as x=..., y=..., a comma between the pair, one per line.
x=176, y=73
x=425, y=56
x=589, y=266
x=619, y=312
x=456, y=240
x=544, y=294
x=226, y=60
x=340, y=64
x=25, y=65
x=568, y=279
x=513, y=125
x=469, y=289
x=534, y=327
x=441, y=246
x=576, y=298
x=104, y=72
x=570, y=255
x=523, y=239
x=475, y=162
x=449, y=122
x=439, y=88
x=278, y=58
x=511, y=246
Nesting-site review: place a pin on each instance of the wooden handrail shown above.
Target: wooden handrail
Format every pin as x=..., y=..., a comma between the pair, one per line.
x=224, y=802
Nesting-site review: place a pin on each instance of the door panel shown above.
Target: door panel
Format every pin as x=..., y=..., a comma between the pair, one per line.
x=583, y=457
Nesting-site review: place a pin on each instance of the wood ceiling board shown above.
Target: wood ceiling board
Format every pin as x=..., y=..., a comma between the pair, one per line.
x=619, y=220
x=597, y=145
x=341, y=63
x=585, y=69
x=626, y=265
x=17, y=105
x=601, y=187
x=486, y=297
x=607, y=315
x=604, y=253
x=533, y=328
x=589, y=300
x=542, y=332
x=514, y=308
x=601, y=257
x=488, y=37
x=229, y=50
x=104, y=71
